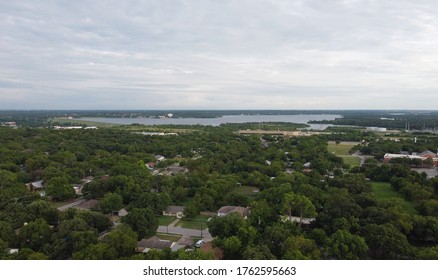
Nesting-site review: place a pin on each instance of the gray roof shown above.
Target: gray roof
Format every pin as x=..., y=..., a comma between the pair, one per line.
x=154, y=243
x=175, y=209
x=230, y=209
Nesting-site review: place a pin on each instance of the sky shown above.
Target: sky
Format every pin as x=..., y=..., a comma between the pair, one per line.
x=219, y=54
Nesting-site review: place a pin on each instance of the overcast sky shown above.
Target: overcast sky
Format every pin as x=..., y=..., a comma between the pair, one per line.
x=219, y=54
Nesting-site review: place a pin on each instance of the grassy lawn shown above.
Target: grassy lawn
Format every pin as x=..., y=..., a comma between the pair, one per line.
x=342, y=150
x=351, y=160
x=384, y=191
x=166, y=236
x=165, y=220
x=247, y=191
x=194, y=223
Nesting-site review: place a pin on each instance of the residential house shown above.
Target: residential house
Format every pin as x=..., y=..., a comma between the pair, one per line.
x=159, y=158
x=153, y=243
x=225, y=210
x=36, y=186
x=174, y=169
x=174, y=211
x=303, y=221
x=88, y=205
x=121, y=213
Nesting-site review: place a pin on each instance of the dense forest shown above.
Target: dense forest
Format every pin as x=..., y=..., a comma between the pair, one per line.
x=292, y=176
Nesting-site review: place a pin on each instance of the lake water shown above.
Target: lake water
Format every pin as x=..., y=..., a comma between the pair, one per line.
x=222, y=120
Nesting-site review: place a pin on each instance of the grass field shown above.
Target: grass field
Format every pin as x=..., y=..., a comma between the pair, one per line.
x=166, y=236
x=165, y=220
x=247, y=191
x=194, y=223
x=384, y=191
x=342, y=150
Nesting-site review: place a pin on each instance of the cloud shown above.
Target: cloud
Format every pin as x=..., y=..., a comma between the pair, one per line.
x=210, y=54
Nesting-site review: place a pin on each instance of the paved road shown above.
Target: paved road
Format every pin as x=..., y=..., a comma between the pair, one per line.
x=74, y=203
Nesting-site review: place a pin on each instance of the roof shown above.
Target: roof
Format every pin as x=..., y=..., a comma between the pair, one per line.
x=427, y=153
x=154, y=243
x=230, y=209
x=122, y=212
x=403, y=156
x=175, y=209
x=89, y=204
x=304, y=221
x=37, y=184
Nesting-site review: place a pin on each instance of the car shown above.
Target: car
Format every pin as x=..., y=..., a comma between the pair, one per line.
x=199, y=243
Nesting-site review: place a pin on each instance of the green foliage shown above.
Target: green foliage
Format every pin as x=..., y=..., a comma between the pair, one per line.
x=142, y=221
x=111, y=202
x=343, y=245
x=59, y=188
x=123, y=239
x=35, y=234
x=386, y=242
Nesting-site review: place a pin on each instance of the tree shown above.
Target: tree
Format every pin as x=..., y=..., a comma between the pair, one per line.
x=123, y=239
x=294, y=203
x=257, y=252
x=430, y=253
x=35, y=234
x=72, y=235
x=95, y=220
x=386, y=242
x=58, y=188
x=111, y=202
x=262, y=214
x=98, y=251
x=300, y=248
x=43, y=209
x=231, y=246
x=343, y=245
x=7, y=234
x=142, y=220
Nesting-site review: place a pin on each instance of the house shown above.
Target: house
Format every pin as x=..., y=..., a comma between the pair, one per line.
x=151, y=165
x=174, y=169
x=307, y=165
x=88, y=205
x=304, y=221
x=174, y=211
x=77, y=188
x=159, y=158
x=225, y=210
x=153, y=243
x=36, y=186
x=121, y=213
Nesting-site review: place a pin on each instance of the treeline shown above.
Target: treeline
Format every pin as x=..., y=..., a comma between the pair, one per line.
x=390, y=120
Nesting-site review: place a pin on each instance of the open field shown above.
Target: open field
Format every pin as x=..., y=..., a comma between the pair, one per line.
x=343, y=150
x=384, y=191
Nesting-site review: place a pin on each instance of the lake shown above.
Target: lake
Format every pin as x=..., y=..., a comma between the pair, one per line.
x=222, y=120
